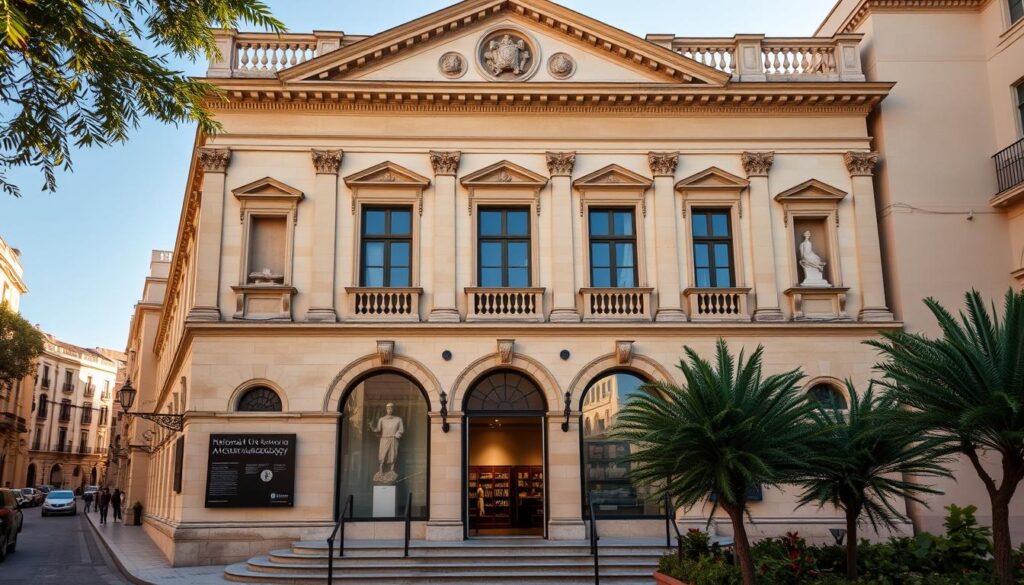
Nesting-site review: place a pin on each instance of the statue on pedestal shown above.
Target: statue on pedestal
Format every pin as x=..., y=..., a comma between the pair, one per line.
x=812, y=264
x=390, y=428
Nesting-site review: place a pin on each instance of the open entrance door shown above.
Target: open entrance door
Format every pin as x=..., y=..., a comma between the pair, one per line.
x=505, y=476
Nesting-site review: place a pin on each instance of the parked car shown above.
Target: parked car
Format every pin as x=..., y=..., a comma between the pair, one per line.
x=11, y=520
x=33, y=496
x=91, y=489
x=45, y=489
x=18, y=497
x=60, y=502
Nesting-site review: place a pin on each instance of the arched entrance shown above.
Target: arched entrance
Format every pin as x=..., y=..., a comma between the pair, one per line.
x=30, y=479
x=504, y=446
x=92, y=476
x=57, y=475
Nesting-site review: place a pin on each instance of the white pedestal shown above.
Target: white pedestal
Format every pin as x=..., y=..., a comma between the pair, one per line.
x=384, y=499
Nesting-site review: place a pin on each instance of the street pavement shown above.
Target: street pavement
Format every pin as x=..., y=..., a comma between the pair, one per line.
x=58, y=550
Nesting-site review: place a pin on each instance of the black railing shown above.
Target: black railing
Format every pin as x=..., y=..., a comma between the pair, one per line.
x=1010, y=165
x=339, y=528
x=594, y=538
x=670, y=520
x=408, y=521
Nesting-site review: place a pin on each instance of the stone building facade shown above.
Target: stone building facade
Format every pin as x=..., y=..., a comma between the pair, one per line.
x=13, y=412
x=442, y=256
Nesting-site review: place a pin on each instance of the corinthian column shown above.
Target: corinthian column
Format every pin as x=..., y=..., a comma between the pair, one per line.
x=563, y=281
x=325, y=207
x=869, y=253
x=666, y=240
x=214, y=162
x=766, y=286
x=446, y=166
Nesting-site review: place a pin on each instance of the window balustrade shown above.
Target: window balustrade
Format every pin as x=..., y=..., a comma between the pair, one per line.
x=504, y=304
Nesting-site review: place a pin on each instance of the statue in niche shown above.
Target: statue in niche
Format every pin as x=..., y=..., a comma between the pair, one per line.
x=266, y=276
x=812, y=264
x=390, y=429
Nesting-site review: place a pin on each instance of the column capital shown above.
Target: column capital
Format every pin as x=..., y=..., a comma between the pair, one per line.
x=327, y=162
x=214, y=160
x=445, y=162
x=757, y=164
x=860, y=163
x=663, y=163
x=561, y=163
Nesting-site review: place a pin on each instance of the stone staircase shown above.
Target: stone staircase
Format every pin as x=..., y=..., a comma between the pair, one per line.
x=493, y=562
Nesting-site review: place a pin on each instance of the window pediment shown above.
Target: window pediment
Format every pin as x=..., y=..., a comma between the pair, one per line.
x=387, y=174
x=504, y=174
x=267, y=189
x=812, y=191
x=712, y=178
x=612, y=177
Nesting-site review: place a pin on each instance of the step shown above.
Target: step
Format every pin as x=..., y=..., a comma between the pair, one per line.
x=521, y=576
x=472, y=549
x=429, y=566
x=286, y=556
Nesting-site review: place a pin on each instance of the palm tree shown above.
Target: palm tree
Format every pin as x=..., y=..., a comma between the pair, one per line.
x=726, y=431
x=862, y=460
x=967, y=386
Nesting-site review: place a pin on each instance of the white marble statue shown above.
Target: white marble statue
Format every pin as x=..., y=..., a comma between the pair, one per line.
x=812, y=264
x=390, y=428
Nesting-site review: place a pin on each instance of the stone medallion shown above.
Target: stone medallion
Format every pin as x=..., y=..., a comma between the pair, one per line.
x=452, y=65
x=507, y=54
x=561, y=66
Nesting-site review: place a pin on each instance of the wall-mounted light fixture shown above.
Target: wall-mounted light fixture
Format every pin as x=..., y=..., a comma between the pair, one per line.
x=568, y=410
x=444, y=412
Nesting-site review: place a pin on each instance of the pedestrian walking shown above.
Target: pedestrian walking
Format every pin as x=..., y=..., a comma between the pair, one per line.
x=116, y=502
x=104, y=505
x=88, y=497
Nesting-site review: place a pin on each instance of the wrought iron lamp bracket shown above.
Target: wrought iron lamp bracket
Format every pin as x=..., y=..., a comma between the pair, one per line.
x=445, y=427
x=568, y=412
x=174, y=422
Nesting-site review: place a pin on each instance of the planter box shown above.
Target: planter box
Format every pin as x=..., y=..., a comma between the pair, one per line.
x=662, y=579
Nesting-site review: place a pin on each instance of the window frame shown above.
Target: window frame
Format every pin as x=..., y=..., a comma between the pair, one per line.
x=504, y=239
x=711, y=241
x=254, y=388
x=1018, y=95
x=387, y=239
x=635, y=239
x=1010, y=4
x=267, y=198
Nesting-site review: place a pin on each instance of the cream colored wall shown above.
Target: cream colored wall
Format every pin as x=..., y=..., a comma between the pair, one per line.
x=508, y=446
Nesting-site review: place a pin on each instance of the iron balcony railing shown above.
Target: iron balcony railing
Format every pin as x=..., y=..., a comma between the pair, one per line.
x=1010, y=166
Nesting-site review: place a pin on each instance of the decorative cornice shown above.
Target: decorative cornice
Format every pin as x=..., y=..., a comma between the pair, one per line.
x=214, y=160
x=663, y=163
x=860, y=163
x=327, y=162
x=445, y=162
x=866, y=7
x=561, y=163
x=757, y=164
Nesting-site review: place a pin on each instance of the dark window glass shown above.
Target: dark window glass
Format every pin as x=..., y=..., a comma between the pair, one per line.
x=612, y=248
x=828, y=396
x=387, y=247
x=503, y=248
x=1016, y=10
x=712, y=248
x=259, y=399
x=1020, y=98
x=505, y=391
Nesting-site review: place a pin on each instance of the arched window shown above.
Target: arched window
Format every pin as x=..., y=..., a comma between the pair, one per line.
x=604, y=465
x=828, y=396
x=505, y=391
x=385, y=433
x=259, y=399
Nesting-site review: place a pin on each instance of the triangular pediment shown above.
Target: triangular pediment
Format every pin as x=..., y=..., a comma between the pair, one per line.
x=612, y=176
x=504, y=174
x=387, y=174
x=267, y=188
x=712, y=178
x=416, y=50
x=812, y=190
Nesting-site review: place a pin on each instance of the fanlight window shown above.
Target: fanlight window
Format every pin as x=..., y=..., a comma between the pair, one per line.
x=505, y=391
x=828, y=396
x=259, y=399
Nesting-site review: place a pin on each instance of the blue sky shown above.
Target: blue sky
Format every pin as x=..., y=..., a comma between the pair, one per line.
x=85, y=249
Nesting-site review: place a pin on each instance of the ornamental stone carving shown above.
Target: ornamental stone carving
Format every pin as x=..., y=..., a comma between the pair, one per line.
x=327, y=162
x=757, y=164
x=452, y=65
x=561, y=66
x=663, y=163
x=385, y=352
x=214, y=160
x=507, y=54
x=623, y=352
x=860, y=163
x=445, y=162
x=561, y=163
x=505, y=349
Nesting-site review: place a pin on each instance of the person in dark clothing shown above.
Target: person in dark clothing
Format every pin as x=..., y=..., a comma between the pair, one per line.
x=115, y=503
x=88, y=500
x=104, y=504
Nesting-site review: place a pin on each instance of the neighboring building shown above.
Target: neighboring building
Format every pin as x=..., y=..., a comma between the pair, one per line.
x=951, y=185
x=72, y=403
x=13, y=406
x=12, y=283
x=424, y=253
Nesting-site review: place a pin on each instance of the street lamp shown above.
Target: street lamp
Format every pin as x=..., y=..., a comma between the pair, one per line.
x=126, y=396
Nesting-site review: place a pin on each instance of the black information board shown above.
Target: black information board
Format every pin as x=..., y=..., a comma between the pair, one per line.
x=251, y=471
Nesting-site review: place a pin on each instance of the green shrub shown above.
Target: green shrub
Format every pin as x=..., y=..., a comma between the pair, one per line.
x=705, y=570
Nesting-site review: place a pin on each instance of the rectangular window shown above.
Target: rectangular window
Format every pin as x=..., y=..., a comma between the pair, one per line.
x=1016, y=10
x=712, y=248
x=87, y=413
x=503, y=252
x=1020, y=102
x=612, y=248
x=387, y=247
x=267, y=249
x=46, y=376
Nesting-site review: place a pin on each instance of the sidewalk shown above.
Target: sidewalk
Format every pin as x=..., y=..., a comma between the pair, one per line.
x=142, y=562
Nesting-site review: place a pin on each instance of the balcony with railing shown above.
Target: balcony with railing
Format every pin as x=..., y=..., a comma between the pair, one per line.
x=65, y=415
x=1009, y=163
x=45, y=384
x=68, y=387
x=89, y=390
x=616, y=304
x=504, y=304
x=717, y=304
x=264, y=54
x=12, y=422
x=385, y=304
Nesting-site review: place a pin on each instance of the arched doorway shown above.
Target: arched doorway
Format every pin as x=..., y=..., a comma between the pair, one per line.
x=57, y=475
x=384, y=438
x=605, y=470
x=92, y=476
x=504, y=446
x=30, y=479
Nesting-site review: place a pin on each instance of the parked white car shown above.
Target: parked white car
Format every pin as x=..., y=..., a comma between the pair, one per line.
x=60, y=502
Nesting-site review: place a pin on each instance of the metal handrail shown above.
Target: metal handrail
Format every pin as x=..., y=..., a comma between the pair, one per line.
x=339, y=527
x=594, y=538
x=408, y=521
x=670, y=520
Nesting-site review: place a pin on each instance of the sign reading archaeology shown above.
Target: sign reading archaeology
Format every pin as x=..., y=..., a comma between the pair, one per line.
x=251, y=471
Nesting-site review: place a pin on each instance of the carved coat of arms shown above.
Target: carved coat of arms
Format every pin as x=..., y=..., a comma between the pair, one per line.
x=507, y=54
